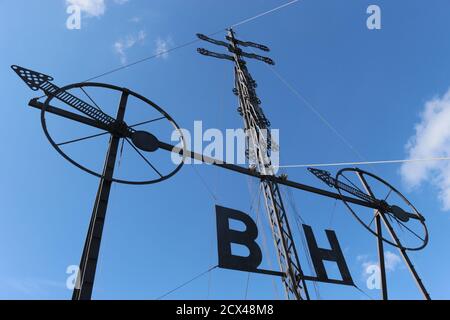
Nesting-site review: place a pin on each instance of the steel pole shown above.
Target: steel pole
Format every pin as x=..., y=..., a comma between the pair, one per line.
x=89, y=259
x=384, y=289
x=408, y=261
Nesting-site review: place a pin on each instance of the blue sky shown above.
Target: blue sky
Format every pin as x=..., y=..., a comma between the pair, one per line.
x=372, y=86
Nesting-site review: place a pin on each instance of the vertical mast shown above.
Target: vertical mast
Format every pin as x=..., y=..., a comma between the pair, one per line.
x=258, y=150
x=89, y=259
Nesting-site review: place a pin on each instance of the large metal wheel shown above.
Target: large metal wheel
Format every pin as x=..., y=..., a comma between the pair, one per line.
x=164, y=116
x=402, y=220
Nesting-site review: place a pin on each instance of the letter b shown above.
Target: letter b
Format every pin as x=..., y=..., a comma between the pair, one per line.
x=227, y=236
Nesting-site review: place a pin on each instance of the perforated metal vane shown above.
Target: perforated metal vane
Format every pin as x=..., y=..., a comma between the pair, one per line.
x=33, y=79
x=326, y=177
x=36, y=80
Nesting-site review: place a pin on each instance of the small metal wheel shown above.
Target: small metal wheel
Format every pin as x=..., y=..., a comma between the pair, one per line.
x=402, y=221
x=146, y=160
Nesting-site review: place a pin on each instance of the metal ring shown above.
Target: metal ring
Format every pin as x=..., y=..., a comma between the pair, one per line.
x=115, y=88
x=425, y=241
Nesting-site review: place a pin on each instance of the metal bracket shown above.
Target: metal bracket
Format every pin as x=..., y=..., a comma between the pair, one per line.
x=258, y=57
x=249, y=44
x=234, y=49
x=215, y=55
x=213, y=41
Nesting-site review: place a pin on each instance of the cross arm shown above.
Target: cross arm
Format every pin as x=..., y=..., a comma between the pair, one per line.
x=255, y=174
x=213, y=41
x=69, y=115
x=249, y=44
x=193, y=155
x=215, y=54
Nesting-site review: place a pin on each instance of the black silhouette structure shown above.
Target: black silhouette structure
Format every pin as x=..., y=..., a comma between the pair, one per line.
x=384, y=214
x=259, y=148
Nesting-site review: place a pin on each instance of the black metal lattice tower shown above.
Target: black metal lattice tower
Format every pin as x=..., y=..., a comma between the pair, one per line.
x=258, y=148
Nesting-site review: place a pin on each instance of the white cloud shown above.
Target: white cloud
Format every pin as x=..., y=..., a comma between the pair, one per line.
x=162, y=46
x=431, y=140
x=93, y=8
x=391, y=261
x=135, y=19
x=31, y=286
x=123, y=45
x=362, y=257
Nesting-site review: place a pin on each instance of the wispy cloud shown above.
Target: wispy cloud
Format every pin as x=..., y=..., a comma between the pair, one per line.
x=162, y=46
x=431, y=140
x=392, y=262
x=121, y=46
x=31, y=286
x=92, y=8
x=135, y=19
